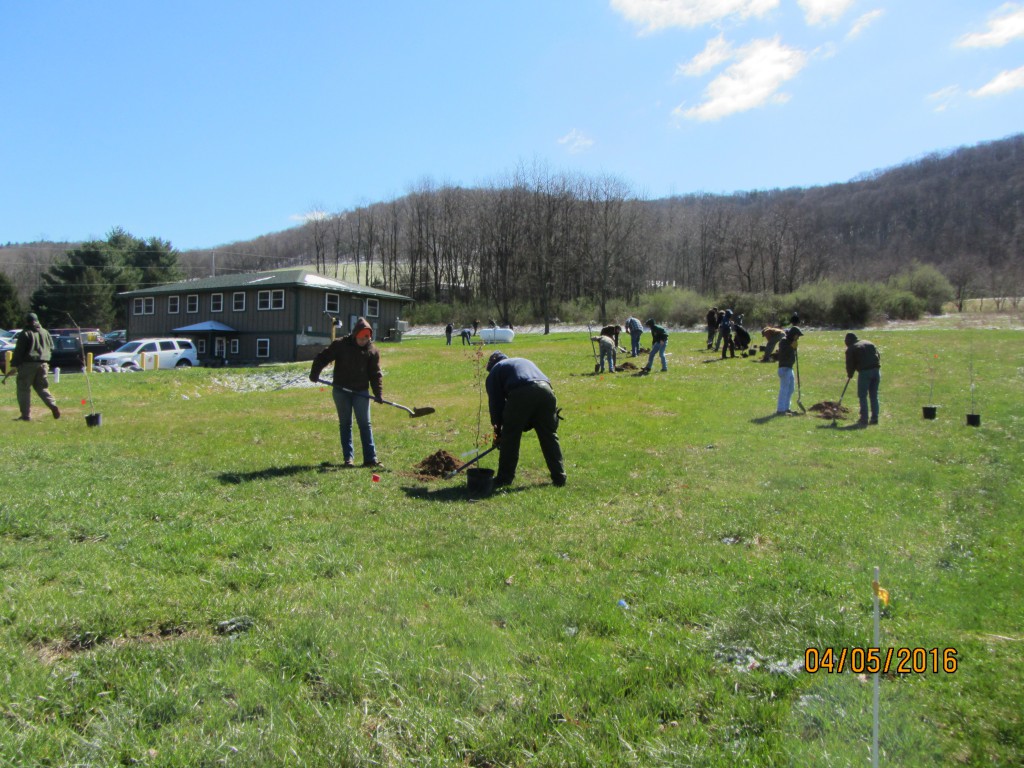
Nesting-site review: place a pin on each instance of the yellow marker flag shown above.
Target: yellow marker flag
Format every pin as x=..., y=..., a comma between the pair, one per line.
x=883, y=594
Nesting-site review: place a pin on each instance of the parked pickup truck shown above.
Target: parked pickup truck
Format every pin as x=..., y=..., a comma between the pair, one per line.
x=69, y=352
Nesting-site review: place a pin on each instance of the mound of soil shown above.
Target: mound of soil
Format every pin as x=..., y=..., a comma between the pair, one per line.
x=626, y=367
x=830, y=410
x=437, y=464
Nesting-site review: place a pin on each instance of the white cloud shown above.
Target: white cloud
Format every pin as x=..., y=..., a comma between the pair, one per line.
x=1004, y=25
x=576, y=142
x=944, y=98
x=752, y=81
x=717, y=51
x=654, y=15
x=864, y=22
x=1004, y=82
x=824, y=11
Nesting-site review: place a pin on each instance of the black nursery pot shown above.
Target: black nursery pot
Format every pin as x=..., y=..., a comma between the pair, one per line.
x=930, y=411
x=480, y=481
x=93, y=419
x=973, y=419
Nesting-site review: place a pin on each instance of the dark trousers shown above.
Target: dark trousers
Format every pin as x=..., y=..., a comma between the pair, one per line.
x=531, y=405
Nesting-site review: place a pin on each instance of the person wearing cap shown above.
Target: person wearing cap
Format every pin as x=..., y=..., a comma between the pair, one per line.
x=356, y=362
x=659, y=340
x=520, y=398
x=31, y=356
x=786, y=355
x=864, y=359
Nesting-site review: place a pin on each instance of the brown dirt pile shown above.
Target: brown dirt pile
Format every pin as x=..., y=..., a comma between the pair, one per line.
x=626, y=367
x=437, y=464
x=830, y=410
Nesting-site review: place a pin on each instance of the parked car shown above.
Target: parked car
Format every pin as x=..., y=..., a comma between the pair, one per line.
x=116, y=337
x=172, y=353
x=69, y=354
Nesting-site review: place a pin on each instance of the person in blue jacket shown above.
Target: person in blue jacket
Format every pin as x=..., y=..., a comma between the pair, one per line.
x=520, y=398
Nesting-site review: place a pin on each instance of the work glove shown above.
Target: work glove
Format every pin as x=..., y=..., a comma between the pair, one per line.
x=314, y=376
x=378, y=399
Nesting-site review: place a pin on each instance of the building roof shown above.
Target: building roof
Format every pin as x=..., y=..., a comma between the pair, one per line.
x=284, y=278
x=209, y=326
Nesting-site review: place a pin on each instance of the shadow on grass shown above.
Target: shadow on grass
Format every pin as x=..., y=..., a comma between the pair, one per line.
x=450, y=493
x=271, y=473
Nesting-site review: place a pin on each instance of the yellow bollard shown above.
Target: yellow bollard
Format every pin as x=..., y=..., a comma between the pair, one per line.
x=7, y=359
x=142, y=361
x=156, y=362
x=88, y=362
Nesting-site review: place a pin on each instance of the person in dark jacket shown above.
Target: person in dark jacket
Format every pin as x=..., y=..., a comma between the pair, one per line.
x=612, y=332
x=786, y=355
x=356, y=371
x=32, y=350
x=725, y=333
x=520, y=398
x=448, y=331
x=712, y=322
x=864, y=359
x=659, y=340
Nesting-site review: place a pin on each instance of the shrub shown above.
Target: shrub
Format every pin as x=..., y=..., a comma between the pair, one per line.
x=851, y=305
x=813, y=302
x=928, y=284
x=900, y=305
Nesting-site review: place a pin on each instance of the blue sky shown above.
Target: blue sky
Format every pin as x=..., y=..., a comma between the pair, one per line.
x=204, y=122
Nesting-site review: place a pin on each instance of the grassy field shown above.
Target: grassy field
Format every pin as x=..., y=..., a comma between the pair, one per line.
x=190, y=585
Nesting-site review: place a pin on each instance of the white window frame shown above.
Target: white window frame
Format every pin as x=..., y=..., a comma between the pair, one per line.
x=332, y=303
x=234, y=346
x=200, y=346
x=173, y=305
x=271, y=299
x=216, y=302
x=144, y=305
x=373, y=308
x=262, y=347
x=220, y=346
x=238, y=301
x=192, y=304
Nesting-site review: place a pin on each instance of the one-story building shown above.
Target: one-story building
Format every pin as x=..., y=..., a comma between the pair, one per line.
x=261, y=317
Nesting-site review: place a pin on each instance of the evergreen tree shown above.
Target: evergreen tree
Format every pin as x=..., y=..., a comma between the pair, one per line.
x=12, y=314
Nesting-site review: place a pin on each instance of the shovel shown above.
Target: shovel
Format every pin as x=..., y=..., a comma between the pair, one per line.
x=454, y=472
x=799, y=401
x=840, y=403
x=414, y=413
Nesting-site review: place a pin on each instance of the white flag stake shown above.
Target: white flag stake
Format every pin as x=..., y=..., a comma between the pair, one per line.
x=874, y=729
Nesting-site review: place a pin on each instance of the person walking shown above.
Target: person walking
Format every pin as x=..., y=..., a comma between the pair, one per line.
x=864, y=359
x=712, y=322
x=787, y=359
x=356, y=361
x=520, y=397
x=725, y=331
x=659, y=340
x=635, y=330
x=608, y=348
x=448, y=331
x=32, y=350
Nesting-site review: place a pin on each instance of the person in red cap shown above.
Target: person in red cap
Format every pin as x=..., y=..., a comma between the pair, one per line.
x=356, y=362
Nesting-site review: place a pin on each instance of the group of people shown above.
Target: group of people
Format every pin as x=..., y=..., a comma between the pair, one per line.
x=726, y=332
x=608, y=343
x=466, y=334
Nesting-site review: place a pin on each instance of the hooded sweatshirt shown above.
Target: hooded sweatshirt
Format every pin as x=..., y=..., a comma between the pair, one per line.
x=356, y=368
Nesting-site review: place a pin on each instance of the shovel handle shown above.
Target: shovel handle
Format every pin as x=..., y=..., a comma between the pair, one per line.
x=475, y=459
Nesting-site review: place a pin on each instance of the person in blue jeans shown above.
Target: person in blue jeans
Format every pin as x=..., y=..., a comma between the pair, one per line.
x=356, y=371
x=786, y=355
x=659, y=340
x=864, y=359
x=635, y=331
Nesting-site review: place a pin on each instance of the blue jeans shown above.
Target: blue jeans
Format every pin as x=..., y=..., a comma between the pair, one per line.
x=608, y=353
x=787, y=383
x=657, y=348
x=867, y=389
x=634, y=340
x=347, y=402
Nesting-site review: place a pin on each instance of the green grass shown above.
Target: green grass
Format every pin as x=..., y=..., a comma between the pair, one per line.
x=404, y=623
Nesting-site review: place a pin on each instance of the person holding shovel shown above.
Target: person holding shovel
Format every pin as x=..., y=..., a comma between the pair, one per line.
x=786, y=355
x=607, y=346
x=32, y=350
x=520, y=398
x=356, y=371
x=864, y=358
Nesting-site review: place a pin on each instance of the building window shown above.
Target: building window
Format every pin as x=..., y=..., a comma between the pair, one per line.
x=173, y=305
x=270, y=299
x=192, y=303
x=216, y=302
x=144, y=305
x=218, y=347
x=332, y=303
x=238, y=301
x=234, y=346
x=200, y=346
x=372, y=308
x=262, y=347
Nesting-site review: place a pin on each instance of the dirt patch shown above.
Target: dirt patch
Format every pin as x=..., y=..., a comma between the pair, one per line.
x=437, y=464
x=829, y=410
x=626, y=367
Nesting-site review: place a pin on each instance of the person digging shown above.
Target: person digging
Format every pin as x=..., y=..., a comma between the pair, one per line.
x=356, y=361
x=864, y=359
x=520, y=398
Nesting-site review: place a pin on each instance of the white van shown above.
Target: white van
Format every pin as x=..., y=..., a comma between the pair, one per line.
x=172, y=353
